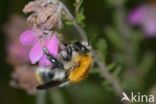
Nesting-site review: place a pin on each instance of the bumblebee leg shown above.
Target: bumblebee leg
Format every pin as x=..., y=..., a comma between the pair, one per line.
x=50, y=84
x=63, y=84
x=53, y=59
x=69, y=52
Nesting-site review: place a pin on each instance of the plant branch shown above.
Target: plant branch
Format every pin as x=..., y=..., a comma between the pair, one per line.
x=102, y=67
x=106, y=74
x=82, y=33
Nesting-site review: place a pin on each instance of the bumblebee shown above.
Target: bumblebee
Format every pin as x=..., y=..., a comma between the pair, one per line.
x=72, y=65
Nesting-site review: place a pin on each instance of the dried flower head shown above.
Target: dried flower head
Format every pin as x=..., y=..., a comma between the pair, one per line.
x=45, y=14
x=24, y=77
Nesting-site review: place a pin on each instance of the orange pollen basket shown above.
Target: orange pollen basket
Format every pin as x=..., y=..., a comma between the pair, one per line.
x=80, y=72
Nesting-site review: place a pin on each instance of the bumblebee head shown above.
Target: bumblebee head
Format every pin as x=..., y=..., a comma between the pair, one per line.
x=76, y=47
x=81, y=47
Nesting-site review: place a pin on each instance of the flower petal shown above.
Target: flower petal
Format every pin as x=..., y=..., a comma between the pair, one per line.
x=18, y=52
x=53, y=45
x=36, y=53
x=44, y=61
x=136, y=16
x=28, y=37
x=149, y=28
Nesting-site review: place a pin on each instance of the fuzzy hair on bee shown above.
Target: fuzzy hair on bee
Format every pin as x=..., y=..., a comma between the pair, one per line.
x=48, y=78
x=72, y=66
x=46, y=74
x=80, y=72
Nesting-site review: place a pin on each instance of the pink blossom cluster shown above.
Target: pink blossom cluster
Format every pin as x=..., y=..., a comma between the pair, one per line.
x=144, y=16
x=38, y=40
x=23, y=75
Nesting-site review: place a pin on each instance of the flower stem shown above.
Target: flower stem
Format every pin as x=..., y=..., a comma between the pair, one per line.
x=57, y=97
x=41, y=97
x=82, y=33
x=106, y=74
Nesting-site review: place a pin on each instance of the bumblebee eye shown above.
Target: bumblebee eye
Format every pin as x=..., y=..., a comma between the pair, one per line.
x=67, y=54
x=79, y=47
x=64, y=54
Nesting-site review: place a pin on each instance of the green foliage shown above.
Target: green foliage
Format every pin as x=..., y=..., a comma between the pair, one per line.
x=114, y=68
x=114, y=37
x=146, y=63
x=107, y=86
x=68, y=22
x=114, y=3
x=94, y=70
x=102, y=47
x=79, y=12
x=111, y=66
x=117, y=70
x=80, y=17
x=66, y=19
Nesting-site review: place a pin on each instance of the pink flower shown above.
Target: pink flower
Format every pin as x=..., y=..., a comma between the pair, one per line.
x=37, y=40
x=136, y=16
x=145, y=17
x=17, y=54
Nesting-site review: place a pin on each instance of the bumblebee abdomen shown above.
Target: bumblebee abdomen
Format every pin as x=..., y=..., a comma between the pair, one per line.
x=44, y=75
x=80, y=72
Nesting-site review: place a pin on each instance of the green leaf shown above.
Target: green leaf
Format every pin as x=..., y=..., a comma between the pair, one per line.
x=80, y=17
x=66, y=19
x=114, y=3
x=147, y=62
x=107, y=85
x=114, y=38
x=102, y=46
x=117, y=70
x=94, y=71
x=111, y=66
x=68, y=22
x=79, y=12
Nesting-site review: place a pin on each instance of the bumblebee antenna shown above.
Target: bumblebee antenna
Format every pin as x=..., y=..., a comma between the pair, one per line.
x=53, y=59
x=45, y=50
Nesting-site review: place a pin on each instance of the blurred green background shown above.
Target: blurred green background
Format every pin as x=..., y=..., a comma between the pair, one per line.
x=94, y=90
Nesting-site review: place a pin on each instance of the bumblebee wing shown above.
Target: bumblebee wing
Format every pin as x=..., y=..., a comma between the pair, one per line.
x=50, y=84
